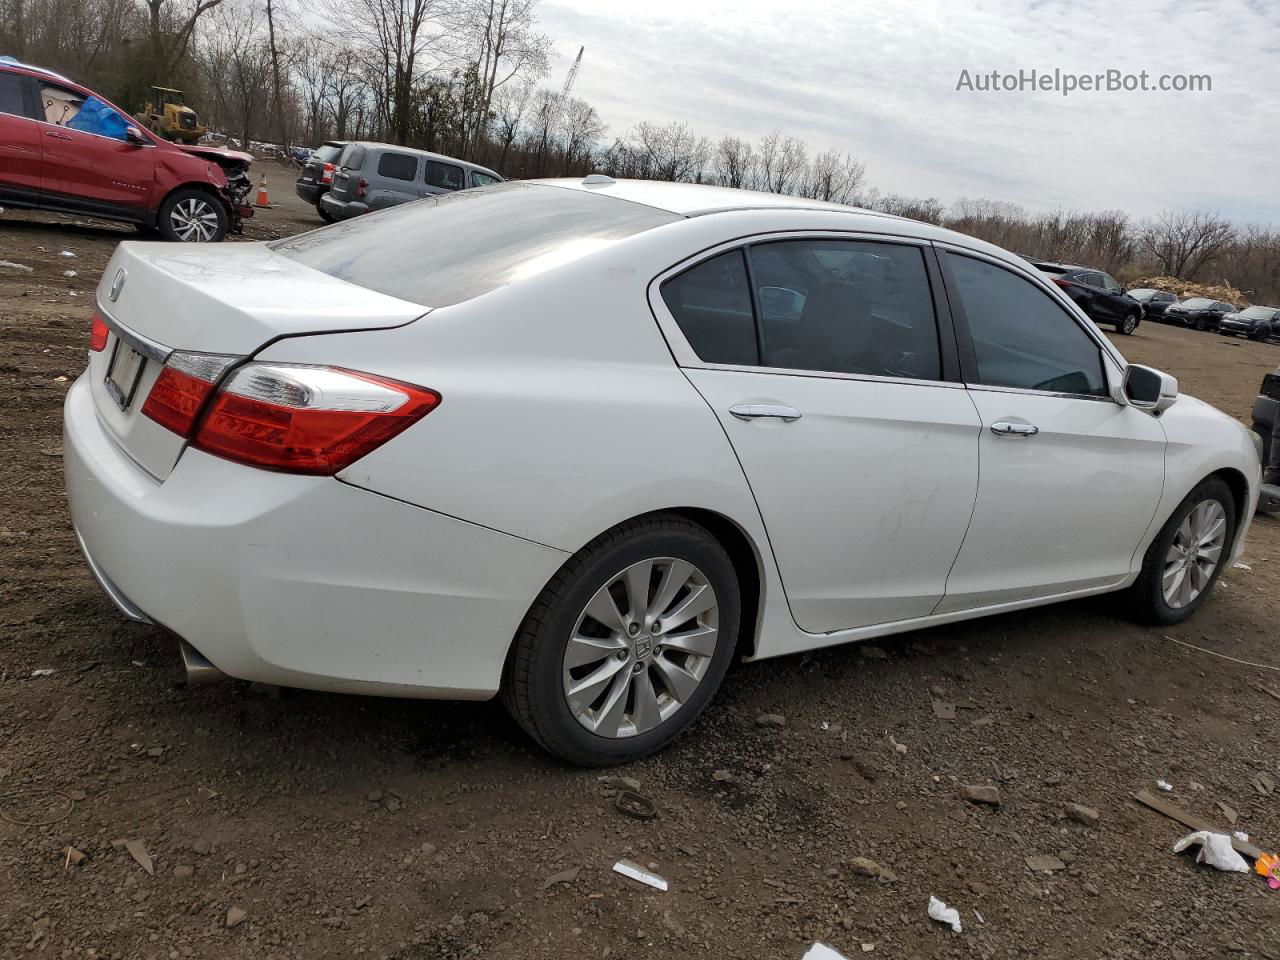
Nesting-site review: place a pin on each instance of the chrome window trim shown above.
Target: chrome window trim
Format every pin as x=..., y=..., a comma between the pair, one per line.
x=145, y=346
x=1031, y=392
x=687, y=358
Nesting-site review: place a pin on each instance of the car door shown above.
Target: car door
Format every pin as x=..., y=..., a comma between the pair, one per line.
x=94, y=172
x=440, y=177
x=394, y=179
x=20, y=151
x=1117, y=303
x=828, y=377
x=1098, y=304
x=1070, y=477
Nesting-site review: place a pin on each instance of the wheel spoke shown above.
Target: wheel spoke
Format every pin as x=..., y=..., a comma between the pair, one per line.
x=584, y=650
x=680, y=682
x=636, y=581
x=675, y=576
x=700, y=641
x=1186, y=590
x=605, y=612
x=584, y=692
x=609, y=718
x=699, y=601
x=645, y=714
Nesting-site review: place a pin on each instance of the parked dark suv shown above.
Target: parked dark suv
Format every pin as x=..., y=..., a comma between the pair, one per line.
x=1096, y=293
x=317, y=175
x=1154, y=302
x=1199, y=313
x=1256, y=323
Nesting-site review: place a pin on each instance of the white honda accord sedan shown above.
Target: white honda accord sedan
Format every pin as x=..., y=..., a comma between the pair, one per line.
x=580, y=443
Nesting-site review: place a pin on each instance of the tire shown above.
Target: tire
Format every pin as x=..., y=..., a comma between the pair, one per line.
x=1129, y=324
x=325, y=215
x=1151, y=605
x=191, y=215
x=1199, y=324
x=538, y=676
x=1260, y=333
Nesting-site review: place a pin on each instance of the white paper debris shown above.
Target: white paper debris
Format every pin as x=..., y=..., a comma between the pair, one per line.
x=9, y=264
x=820, y=951
x=943, y=914
x=69, y=273
x=68, y=253
x=637, y=872
x=42, y=672
x=1241, y=836
x=1215, y=850
x=1163, y=785
x=1244, y=566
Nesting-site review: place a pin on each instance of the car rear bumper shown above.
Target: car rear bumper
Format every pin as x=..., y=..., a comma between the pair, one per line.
x=342, y=209
x=310, y=192
x=299, y=581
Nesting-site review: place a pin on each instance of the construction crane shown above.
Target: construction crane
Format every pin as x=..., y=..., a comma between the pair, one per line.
x=562, y=101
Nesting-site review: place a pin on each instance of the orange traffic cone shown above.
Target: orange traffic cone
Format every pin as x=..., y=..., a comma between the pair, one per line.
x=262, y=200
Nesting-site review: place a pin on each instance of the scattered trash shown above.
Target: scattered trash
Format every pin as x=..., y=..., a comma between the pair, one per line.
x=59, y=379
x=1165, y=786
x=24, y=795
x=899, y=747
x=235, y=916
x=42, y=672
x=979, y=793
x=865, y=867
x=635, y=805
x=1264, y=784
x=1223, y=656
x=943, y=914
x=1244, y=566
x=564, y=876
x=637, y=872
x=67, y=253
x=981, y=918
x=771, y=720
x=722, y=776
x=1228, y=812
x=943, y=710
x=621, y=783
x=820, y=951
x=73, y=858
x=1044, y=863
x=1215, y=850
x=138, y=850
x=1268, y=866
x=1082, y=814
x=10, y=265
x=1241, y=836
x=1187, y=819
x=69, y=273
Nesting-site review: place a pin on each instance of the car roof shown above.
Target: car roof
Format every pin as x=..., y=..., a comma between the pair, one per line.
x=15, y=62
x=378, y=145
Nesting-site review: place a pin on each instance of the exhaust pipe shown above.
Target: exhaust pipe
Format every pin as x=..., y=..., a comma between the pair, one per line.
x=199, y=670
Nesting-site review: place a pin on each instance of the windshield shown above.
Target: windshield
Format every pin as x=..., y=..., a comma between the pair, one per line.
x=456, y=246
x=1197, y=303
x=1259, y=313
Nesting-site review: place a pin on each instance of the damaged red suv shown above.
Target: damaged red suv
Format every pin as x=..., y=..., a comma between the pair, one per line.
x=64, y=148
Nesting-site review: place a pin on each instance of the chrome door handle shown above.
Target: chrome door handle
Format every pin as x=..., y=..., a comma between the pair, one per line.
x=759, y=411
x=58, y=136
x=1006, y=428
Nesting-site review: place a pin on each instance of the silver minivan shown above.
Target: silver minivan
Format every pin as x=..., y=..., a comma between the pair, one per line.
x=371, y=176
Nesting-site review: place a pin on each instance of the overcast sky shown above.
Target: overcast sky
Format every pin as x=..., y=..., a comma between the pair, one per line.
x=878, y=79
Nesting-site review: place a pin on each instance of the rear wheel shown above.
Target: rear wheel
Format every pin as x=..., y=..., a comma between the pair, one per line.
x=1184, y=561
x=1199, y=324
x=192, y=216
x=1128, y=324
x=627, y=643
x=325, y=215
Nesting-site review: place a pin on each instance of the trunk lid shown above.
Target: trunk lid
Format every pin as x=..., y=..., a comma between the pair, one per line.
x=229, y=299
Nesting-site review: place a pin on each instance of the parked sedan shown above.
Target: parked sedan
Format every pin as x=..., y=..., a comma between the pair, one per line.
x=1097, y=294
x=1256, y=323
x=1199, y=313
x=584, y=443
x=1154, y=302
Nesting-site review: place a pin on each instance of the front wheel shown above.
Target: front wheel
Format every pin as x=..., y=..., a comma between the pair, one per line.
x=1128, y=324
x=1261, y=333
x=1184, y=561
x=627, y=644
x=192, y=216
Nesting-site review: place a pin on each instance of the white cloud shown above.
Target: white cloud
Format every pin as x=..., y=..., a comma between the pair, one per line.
x=878, y=79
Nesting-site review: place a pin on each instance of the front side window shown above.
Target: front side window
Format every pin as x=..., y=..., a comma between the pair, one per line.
x=398, y=166
x=446, y=176
x=712, y=305
x=1021, y=337
x=846, y=306
x=12, y=99
x=1110, y=285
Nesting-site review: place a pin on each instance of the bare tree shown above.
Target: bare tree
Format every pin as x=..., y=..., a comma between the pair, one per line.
x=346, y=91
x=509, y=107
x=172, y=23
x=734, y=163
x=834, y=177
x=582, y=129
x=670, y=151
x=782, y=163
x=1183, y=244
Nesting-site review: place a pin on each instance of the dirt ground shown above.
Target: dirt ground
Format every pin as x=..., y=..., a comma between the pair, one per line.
x=287, y=824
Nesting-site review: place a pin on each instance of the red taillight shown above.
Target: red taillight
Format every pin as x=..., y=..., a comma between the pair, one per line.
x=326, y=173
x=361, y=187
x=1065, y=284
x=98, y=333
x=306, y=419
x=180, y=392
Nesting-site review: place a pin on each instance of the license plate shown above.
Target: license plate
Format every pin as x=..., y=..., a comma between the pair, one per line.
x=124, y=374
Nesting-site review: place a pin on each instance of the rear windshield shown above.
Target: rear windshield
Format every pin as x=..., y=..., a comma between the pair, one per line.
x=326, y=152
x=456, y=246
x=352, y=156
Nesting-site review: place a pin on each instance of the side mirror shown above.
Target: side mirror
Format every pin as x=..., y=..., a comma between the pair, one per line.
x=134, y=135
x=1150, y=390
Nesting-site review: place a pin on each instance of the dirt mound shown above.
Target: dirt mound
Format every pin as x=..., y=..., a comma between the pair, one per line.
x=1185, y=289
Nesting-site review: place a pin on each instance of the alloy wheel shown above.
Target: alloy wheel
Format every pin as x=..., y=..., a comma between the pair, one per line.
x=194, y=220
x=641, y=647
x=1194, y=554
x=1129, y=323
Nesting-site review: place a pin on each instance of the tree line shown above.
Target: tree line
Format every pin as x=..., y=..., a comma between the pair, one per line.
x=471, y=79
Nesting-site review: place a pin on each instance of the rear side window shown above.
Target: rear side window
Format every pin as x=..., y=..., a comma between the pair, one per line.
x=479, y=179
x=712, y=304
x=456, y=246
x=1021, y=338
x=444, y=175
x=398, y=166
x=12, y=99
